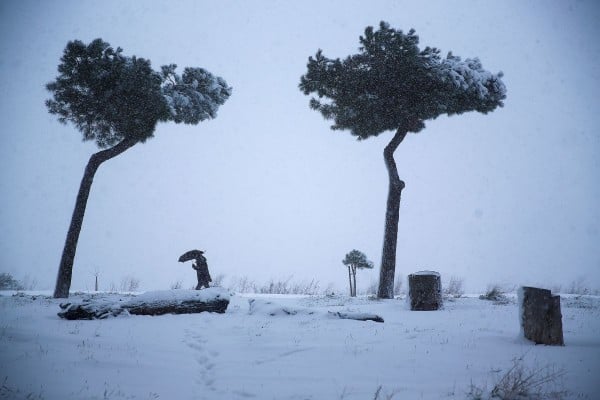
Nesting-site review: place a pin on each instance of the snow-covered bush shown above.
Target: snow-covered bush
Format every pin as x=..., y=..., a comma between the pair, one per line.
x=176, y=285
x=454, y=288
x=372, y=288
x=29, y=283
x=520, y=382
x=398, y=289
x=289, y=287
x=218, y=280
x=7, y=282
x=242, y=285
x=380, y=395
x=578, y=286
x=130, y=283
x=495, y=293
x=275, y=286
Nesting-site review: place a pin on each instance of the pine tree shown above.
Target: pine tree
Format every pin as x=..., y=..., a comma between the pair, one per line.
x=393, y=85
x=117, y=101
x=355, y=260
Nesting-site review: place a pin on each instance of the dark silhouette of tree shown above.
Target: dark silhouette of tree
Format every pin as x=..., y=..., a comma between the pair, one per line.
x=117, y=101
x=390, y=84
x=7, y=282
x=355, y=260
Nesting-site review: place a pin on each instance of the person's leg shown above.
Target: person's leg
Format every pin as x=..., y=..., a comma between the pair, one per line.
x=199, y=276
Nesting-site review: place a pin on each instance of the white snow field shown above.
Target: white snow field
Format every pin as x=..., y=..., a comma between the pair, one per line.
x=289, y=347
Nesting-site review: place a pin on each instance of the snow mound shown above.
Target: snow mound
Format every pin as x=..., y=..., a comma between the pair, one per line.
x=268, y=307
x=271, y=308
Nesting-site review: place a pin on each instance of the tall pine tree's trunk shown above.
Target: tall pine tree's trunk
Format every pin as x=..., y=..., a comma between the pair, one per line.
x=354, y=278
x=65, y=269
x=390, y=237
x=350, y=280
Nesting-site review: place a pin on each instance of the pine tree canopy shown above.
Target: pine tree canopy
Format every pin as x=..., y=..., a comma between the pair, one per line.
x=194, y=96
x=358, y=259
x=110, y=97
x=391, y=84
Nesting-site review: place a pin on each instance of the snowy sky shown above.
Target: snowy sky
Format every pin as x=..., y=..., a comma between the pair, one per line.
x=267, y=189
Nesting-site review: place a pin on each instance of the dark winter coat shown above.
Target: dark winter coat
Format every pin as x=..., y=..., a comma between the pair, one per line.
x=201, y=268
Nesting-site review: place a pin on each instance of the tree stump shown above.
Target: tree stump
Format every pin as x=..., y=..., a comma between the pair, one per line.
x=541, y=319
x=425, y=291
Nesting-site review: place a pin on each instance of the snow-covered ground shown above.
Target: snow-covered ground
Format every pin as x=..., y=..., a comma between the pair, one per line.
x=287, y=347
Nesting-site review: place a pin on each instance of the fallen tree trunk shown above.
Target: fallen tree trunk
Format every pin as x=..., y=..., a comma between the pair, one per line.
x=150, y=303
x=357, y=316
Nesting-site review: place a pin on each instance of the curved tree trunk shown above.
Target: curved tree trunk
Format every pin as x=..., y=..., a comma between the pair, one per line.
x=65, y=269
x=390, y=237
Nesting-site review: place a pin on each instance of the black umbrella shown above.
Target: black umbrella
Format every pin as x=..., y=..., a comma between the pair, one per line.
x=191, y=255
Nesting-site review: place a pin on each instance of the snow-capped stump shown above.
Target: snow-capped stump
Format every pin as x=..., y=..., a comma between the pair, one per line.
x=150, y=303
x=541, y=319
x=425, y=291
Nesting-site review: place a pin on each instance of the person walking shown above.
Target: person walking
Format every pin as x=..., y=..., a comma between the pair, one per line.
x=201, y=267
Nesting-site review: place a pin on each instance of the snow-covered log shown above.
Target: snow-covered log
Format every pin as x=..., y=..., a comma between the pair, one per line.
x=357, y=316
x=150, y=303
